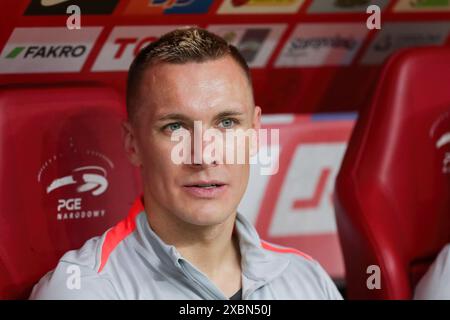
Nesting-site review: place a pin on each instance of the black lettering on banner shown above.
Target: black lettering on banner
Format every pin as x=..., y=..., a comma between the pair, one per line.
x=52, y=52
x=78, y=51
x=30, y=50
x=40, y=53
x=65, y=51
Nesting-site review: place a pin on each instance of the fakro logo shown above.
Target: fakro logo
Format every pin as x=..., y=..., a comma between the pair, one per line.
x=60, y=51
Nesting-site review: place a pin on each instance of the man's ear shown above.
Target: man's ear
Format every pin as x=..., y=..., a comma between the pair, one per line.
x=130, y=144
x=257, y=118
x=256, y=125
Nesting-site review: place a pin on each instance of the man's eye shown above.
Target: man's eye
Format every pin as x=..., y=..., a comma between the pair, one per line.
x=227, y=123
x=173, y=126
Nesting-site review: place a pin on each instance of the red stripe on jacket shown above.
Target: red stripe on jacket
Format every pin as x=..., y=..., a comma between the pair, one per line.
x=119, y=232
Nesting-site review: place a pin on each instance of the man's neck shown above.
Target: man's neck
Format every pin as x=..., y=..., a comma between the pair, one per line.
x=214, y=250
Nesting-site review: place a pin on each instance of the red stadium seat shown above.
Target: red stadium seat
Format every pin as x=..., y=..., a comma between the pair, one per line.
x=64, y=177
x=393, y=190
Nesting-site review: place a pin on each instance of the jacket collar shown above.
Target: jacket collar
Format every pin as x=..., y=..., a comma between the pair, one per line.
x=259, y=265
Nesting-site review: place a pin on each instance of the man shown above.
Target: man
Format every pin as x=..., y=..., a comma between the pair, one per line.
x=435, y=284
x=184, y=239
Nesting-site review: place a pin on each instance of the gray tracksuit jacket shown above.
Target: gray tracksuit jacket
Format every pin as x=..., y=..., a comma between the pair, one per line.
x=435, y=284
x=129, y=261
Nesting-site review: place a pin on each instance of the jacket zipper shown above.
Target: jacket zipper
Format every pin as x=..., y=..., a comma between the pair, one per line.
x=209, y=291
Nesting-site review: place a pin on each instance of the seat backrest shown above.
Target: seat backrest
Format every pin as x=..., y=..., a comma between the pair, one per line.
x=393, y=190
x=64, y=177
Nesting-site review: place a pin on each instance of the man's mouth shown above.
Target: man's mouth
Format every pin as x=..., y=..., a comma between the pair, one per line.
x=206, y=185
x=205, y=189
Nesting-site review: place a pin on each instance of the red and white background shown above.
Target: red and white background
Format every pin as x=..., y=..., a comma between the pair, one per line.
x=314, y=65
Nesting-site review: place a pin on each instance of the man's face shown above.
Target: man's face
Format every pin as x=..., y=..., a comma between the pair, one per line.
x=172, y=97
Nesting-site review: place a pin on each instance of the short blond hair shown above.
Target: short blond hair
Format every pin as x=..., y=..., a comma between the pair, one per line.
x=180, y=46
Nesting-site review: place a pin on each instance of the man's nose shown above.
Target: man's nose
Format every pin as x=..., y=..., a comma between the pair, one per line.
x=202, y=143
x=200, y=154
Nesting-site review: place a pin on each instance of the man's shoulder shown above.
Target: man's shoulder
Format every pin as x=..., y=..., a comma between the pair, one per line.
x=75, y=276
x=300, y=263
x=445, y=254
x=304, y=272
x=443, y=260
x=88, y=256
x=433, y=284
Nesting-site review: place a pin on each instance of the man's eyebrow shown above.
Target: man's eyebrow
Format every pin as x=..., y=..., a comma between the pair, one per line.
x=182, y=117
x=173, y=116
x=230, y=113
